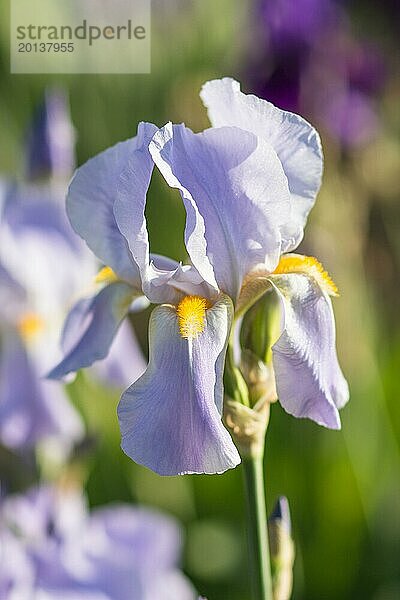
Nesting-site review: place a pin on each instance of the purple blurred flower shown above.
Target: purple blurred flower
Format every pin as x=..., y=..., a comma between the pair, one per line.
x=247, y=184
x=59, y=550
x=296, y=24
x=309, y=62
x=50, y=143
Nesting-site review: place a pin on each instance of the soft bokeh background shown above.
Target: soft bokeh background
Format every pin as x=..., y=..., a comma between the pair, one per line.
x=337, y=64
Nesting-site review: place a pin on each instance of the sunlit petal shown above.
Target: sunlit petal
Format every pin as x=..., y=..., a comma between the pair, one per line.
x=308, y=377
x=171, y=417
x=90, y=202
x=295, y=141
x=236, y=198
x=91, y=327
x=160, y=276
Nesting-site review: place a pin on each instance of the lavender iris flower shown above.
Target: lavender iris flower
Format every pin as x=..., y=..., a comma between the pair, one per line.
x=35, y=239
x=50, y=144
x=247, y=184
x=55, y=549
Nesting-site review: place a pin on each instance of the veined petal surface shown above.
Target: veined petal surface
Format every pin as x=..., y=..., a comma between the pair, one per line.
x=295, y=141
x=170, y=418
x=161, y=277
x=309, y=380
x=91, y=327
x=236, y=198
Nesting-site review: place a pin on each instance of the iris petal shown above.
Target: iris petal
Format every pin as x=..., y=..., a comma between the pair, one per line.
x=171, y=417
x=125, y=362
x=90, y=202
x=309, y=380
x=160, y=276
x=236, y=198
x=12, y=295
x=31, y=408
x=295, y=141
x=91, y=327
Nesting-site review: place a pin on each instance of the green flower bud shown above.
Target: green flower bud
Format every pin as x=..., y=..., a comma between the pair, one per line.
x=261, y=327
x=259, y=377
x=282, y=549
x=247, y=426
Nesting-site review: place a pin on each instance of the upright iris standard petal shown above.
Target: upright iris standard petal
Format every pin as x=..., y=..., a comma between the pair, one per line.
x=161, y=277
x=91, y=327
x=295, y=141
x=170, y=418
x=308, y=377
x=236, y=183
x=90, y=202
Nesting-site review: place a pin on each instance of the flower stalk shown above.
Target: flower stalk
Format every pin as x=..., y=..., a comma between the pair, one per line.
x=248, y=427
x=260, y=569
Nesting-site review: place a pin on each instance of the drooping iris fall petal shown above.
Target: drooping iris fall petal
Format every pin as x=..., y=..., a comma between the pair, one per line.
x=91, y=327
x=171, y=417
x=309, y=380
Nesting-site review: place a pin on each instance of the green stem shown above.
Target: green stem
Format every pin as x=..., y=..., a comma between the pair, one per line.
x=257, y=528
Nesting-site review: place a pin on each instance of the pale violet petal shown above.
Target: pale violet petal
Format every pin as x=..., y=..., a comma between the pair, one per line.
x=163, y=284
x=91, y=327
x=236, y=198
x=90, y=202
x=295, y=141
x=157, y=273
x=13, y=296
x=309, y=380
x=195, y=227
x=32, y=409
x=125, y=362
x=170, y=418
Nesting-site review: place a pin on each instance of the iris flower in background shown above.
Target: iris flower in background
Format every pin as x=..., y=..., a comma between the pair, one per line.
x=309, y=61
x=35, y=240
x=247, y=184
x=43, y=267
x=50, y=140
x=49, y=164
x=54, y=548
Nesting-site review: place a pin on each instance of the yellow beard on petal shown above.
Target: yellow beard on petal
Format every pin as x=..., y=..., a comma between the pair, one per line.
x=308, y=265
x=191, y=312
x=106, y=275
x=30, y=325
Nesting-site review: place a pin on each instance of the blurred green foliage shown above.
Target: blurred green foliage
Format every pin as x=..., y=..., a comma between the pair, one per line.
x=343, y=487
